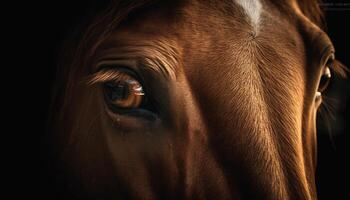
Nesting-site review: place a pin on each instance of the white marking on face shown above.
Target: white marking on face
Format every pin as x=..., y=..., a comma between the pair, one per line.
x=253, y=9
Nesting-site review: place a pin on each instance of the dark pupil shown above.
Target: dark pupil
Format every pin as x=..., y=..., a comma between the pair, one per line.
x=117, y=91
x=324, y=82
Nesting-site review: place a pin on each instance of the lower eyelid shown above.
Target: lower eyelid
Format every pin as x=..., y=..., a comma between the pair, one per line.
x=141, y=113
x=132, y=112
x=133, y=120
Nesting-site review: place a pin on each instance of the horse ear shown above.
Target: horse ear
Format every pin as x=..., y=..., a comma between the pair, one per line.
x=312, y=10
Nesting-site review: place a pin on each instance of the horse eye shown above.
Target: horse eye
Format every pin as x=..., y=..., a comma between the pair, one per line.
x=125, y=93
x=325, y=79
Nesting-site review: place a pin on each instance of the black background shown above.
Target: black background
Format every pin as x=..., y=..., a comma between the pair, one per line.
x=333, y=144
x=38, y=34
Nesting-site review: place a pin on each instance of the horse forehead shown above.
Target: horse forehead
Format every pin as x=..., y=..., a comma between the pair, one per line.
x=252, y=9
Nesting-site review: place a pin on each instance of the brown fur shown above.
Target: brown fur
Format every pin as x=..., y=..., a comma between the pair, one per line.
x=238, y=108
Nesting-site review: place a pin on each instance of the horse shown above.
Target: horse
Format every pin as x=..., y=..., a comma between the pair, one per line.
x=190, y=99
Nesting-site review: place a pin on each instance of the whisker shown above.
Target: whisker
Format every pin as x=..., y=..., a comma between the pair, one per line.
x=327, y=112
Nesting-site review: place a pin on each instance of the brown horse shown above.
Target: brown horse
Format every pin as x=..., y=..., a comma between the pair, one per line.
x=193, y=99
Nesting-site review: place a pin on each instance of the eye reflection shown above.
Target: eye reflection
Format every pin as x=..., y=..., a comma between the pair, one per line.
x=325, y=79
x=125, y=93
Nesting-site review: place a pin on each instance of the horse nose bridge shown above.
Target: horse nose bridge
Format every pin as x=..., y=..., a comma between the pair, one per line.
x=201, y=175
x=242, y=131
x=247, y=129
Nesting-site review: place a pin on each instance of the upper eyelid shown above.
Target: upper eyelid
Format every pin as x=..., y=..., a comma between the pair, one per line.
x=327, y=55
x=105, y=75
x=131, y=63
x=108, y=69
x=156, y=57
x=326, y=49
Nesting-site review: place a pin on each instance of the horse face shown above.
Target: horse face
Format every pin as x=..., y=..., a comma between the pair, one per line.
x=197, y=100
